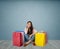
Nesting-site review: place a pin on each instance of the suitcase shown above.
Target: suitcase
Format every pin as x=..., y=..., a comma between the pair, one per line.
x=40, y=39
x=17, y=39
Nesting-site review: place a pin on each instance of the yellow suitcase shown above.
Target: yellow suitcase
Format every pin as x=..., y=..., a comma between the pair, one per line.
x=40, y=39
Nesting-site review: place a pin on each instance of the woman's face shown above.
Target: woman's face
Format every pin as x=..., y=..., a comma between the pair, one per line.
x=28, y=25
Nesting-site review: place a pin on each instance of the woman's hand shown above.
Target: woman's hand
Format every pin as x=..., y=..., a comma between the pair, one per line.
x=30, y=36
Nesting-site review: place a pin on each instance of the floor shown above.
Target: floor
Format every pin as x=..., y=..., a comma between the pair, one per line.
x=52, y=44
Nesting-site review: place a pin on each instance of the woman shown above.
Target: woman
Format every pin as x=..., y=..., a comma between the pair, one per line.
x=29, y=33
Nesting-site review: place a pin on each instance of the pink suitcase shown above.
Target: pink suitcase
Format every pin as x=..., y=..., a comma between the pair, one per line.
x=17, y=39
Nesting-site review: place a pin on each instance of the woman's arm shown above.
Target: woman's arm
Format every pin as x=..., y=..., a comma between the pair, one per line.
x=34, y=31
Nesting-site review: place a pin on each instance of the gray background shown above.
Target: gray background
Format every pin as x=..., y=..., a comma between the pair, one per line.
x=45, y=15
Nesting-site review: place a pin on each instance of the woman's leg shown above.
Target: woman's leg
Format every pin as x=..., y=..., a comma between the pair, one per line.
x=33, y=40
x=26, y=37
x=30, y=40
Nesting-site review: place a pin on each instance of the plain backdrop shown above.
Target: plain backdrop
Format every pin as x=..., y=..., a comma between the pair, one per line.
x=45, y=15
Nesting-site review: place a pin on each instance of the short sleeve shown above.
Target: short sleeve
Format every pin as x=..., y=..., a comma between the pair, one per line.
x=25, y=31
x=34, y=31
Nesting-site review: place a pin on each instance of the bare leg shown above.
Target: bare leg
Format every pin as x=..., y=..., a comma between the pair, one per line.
x=33, y=43
x=27, y=43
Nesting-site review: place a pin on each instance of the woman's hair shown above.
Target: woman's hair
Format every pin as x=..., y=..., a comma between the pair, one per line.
x=30, y=30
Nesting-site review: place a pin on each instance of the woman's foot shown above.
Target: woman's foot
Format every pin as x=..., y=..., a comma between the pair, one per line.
x=25, y=44
x=34, y=43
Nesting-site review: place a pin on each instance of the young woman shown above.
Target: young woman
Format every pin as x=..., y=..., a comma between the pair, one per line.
x=29, y=33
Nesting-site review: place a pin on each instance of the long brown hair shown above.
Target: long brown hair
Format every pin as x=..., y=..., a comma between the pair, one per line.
x=30, y=30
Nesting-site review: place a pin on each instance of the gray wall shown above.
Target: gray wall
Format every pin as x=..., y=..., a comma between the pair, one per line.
x=45, y=15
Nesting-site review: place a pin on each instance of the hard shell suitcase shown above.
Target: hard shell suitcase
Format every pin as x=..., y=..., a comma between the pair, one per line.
x=17, y=39
x=40, y=39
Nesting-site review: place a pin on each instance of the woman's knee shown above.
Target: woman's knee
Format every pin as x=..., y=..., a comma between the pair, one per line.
x=26, y=37
x=32, y=38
